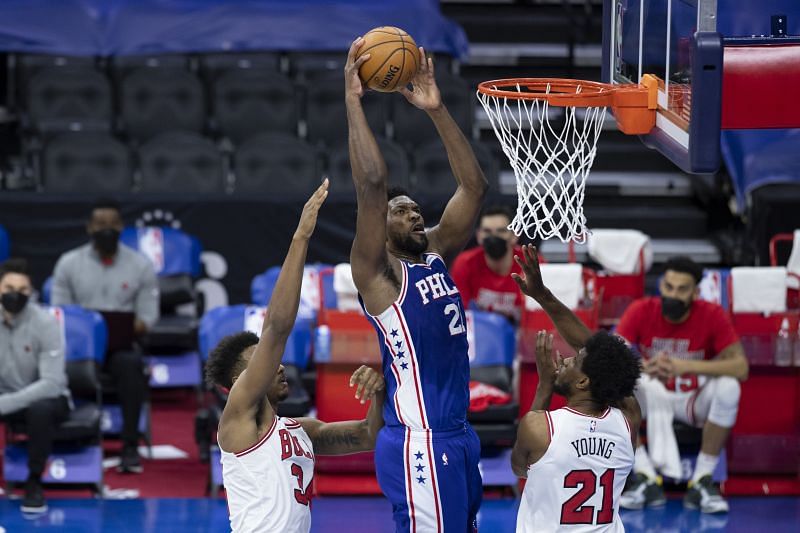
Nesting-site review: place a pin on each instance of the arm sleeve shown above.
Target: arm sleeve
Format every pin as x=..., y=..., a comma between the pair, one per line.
x=460, y=274
x=61, y=293
x=630, y=322
x=724, y=334
x=52, y=376
x=147, y=299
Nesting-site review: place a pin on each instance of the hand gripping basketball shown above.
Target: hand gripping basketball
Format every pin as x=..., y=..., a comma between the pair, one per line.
x=352, y=82
x=425, y=94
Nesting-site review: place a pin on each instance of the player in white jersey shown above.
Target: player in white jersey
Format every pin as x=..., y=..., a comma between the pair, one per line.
x=267, y=460
x=577, y=458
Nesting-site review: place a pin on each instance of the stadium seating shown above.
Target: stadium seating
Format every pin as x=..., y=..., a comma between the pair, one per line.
x=433, y=175
x=83, y=162
x=69, y=98
x=212, y=66
x=326, y=116
x=341, y=175
x=276, y=163
x=180, y=161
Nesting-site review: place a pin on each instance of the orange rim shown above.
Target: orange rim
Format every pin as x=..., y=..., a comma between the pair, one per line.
x=556, y=91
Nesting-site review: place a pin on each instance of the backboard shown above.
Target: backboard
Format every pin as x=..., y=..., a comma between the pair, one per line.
x=677, y=42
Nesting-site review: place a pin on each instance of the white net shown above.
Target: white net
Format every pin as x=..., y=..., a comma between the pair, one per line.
x=550, y=161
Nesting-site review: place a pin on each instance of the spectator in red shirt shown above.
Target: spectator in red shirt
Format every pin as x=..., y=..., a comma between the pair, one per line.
x=482, y=273
x=693, y=356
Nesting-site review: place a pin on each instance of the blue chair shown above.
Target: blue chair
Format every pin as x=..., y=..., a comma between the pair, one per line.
x=263, y=284
x=172, y=341
x=77, y=456
x=4, y=244
x=492, y=348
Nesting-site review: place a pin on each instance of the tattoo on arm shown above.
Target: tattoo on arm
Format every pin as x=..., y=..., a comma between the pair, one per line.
x=337, y=441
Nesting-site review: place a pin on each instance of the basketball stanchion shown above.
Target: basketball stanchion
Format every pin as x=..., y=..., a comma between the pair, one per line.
x=551, y=163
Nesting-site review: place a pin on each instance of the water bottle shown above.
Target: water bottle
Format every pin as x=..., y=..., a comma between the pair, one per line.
x=796, y=351
x=783, y=345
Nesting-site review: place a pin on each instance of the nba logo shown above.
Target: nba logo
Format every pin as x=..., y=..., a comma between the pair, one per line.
x=444, y=459
x=592, y=426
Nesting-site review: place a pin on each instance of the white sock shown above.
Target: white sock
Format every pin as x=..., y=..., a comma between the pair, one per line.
x=705, y=466
x=643, y=465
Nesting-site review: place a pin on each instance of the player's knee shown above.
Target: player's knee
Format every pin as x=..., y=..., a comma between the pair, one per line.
x=728, y=391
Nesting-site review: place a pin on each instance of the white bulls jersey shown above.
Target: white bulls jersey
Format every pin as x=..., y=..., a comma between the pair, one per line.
x=269, y=484
x=577, y=483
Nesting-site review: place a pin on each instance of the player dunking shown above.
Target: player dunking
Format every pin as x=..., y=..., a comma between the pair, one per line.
x=576, y=458
x=427, y=455
x=267, y=460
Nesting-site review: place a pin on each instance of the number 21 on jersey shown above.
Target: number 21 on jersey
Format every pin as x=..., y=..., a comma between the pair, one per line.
x=453, y=312
x=574, y=510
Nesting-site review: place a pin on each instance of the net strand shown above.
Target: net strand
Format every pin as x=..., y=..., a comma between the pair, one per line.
x=550, y=164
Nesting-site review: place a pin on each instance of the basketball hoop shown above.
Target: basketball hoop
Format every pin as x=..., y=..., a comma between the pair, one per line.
x=550, y=163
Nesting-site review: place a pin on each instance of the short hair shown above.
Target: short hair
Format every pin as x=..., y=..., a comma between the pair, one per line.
x=14, y=265
x=492, y=210
x=685, y=265
x=394, y=192
x=612, y=368
x=225, y=357
x=105, y=203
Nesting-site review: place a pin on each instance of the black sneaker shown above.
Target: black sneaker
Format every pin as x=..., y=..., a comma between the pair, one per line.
x=705, y=495
x=34, y=501
x=129, y=461
x=641, y=491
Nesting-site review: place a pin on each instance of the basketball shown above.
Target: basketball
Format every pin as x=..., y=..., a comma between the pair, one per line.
x=394, y=58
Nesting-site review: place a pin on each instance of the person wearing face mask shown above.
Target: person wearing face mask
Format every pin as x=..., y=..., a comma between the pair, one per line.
x=693, y=358
x=105, y=275
x=482, y=273
x=33, y=382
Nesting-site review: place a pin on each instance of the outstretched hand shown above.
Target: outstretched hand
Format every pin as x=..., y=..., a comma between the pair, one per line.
x=352, y=81
x=545, y=365
x=530, y=282
x=425, y=94
x=368, y=381
x=308, y=219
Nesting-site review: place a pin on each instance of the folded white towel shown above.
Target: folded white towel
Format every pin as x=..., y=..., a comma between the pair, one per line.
x=661, y=442
x=759, y=289
x=617, y=250
x=345, y=288
x=793, y=266
x=565, y=281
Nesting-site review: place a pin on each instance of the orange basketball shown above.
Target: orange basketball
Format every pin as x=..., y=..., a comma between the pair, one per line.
x=394, y=59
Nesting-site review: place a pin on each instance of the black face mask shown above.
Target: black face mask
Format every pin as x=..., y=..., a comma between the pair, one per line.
x=495, y=247
x=106, y=241
x=14, y=301
x=673, y=309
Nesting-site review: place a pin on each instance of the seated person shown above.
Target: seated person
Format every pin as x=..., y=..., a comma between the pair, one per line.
x=33, y=383
x=482, y=273
x=693, y=359
x=108, y=276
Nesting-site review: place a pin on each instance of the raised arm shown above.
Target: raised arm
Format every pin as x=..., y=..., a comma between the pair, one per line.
x=248, y=392
x=368, y=257
x=568, y=325
x=458, y=220
x=351, y=436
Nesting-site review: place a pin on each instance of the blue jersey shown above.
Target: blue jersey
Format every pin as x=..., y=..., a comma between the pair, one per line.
x=423, y=341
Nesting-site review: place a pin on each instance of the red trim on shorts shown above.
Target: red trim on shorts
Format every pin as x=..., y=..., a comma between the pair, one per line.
x=409, y=486
x=432, y=466
x=260, y=442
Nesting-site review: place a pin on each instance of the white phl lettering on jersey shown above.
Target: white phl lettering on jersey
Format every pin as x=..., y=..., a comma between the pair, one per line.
x=269, y=484
x=434, y=286
x=577, y=483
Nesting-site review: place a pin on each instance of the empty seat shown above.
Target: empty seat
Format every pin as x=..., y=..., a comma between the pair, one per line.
x=247, y=102
x=326, y=115
x=316, y=65
x=154, y=100
x=276, y=163
x=124, y=65
x=181, y=162
x=413, y=127
x=69, y=98
x=432, y=173
x=341, y=172
x=212, y=66
x=86, y=162
x=28, y=65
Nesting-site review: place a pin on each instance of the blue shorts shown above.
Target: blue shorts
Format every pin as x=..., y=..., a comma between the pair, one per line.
x=431, y=478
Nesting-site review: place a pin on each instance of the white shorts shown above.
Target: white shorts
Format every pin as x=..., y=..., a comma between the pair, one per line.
x=693, y=407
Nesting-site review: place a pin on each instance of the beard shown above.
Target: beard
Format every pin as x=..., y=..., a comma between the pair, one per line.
x=412, y=245
x=562, y=389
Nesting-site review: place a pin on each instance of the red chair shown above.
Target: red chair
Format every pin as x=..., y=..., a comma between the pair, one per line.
x=793, y=294
x=618, y=290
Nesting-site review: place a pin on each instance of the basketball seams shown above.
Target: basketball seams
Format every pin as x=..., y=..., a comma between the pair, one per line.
x=402, y=64
x=399, y=41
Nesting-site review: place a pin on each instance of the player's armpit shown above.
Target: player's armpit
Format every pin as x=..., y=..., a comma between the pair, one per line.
x=533, y=438
x=338, y=438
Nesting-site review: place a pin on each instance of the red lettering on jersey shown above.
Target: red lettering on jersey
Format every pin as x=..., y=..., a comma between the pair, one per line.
x=286, y=444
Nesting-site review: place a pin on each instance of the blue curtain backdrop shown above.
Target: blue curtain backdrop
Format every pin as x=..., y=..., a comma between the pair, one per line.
x=131, y=27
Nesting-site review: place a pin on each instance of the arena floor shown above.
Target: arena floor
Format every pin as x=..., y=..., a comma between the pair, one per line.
x=342, y=515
